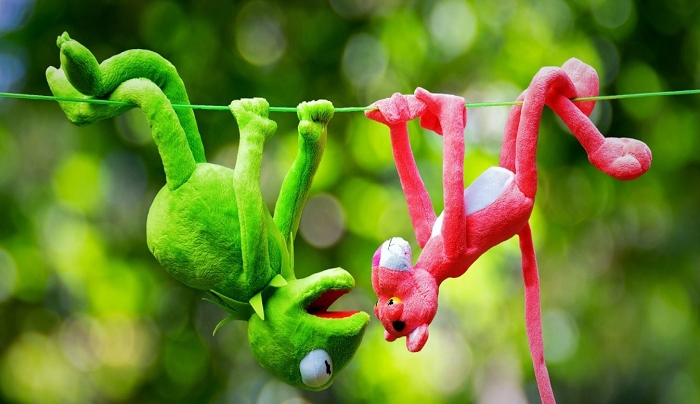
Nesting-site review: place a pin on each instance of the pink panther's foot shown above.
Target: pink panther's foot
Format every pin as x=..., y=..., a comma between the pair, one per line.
x=622, y=158
x=585, y=80
x=441, y=110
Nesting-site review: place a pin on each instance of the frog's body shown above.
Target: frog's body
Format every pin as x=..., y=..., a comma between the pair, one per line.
x=175, y=223
x=209, y=226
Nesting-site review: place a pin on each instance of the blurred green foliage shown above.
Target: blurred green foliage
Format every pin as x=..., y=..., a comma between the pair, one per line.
x=87, y=314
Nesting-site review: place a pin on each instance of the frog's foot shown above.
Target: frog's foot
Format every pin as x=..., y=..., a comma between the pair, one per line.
x=310, y=343
x=79, y=113
x=313, y=118
x=80, y=66
x=252, y=117
x=79, y=77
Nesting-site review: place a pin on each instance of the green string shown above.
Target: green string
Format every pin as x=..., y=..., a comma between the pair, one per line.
x=341, y=109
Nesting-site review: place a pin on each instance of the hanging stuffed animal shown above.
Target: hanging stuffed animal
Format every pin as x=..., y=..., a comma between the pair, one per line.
x=494, y=208
x=209, y=226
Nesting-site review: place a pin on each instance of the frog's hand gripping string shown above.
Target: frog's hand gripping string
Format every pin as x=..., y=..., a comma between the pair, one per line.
x=80, y=76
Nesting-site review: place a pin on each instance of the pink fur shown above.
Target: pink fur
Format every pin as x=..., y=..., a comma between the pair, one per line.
x=408, y=295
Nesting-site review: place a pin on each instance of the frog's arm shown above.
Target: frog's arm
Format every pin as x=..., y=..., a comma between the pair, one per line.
x=255, y=129
x=313, y=121
x=80, y=76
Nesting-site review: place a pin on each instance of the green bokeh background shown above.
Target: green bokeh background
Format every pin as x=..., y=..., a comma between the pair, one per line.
x=88, y=315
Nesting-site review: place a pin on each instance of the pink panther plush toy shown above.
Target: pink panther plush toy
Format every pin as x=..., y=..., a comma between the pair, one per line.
x=494, y=208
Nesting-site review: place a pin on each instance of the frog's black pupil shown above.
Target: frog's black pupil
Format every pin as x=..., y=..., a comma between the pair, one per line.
x=328, y=367
x=391, y=301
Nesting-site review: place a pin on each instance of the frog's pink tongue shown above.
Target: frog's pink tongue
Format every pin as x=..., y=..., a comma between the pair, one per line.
x=319, y=307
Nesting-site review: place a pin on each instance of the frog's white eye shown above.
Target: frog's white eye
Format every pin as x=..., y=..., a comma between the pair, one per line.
x=316, y=368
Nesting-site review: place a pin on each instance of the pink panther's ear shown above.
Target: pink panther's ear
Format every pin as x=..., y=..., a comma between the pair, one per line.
x=417, y=338
x=394, y=254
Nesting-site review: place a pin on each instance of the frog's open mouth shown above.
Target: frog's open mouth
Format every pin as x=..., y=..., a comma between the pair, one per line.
x=319, y=306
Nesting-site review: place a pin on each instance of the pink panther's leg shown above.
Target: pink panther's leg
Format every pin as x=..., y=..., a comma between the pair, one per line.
x=451, y=115
x=395, y=112
x=546, y=80
x=533, y=317
x=621, y=158
x=510, y=134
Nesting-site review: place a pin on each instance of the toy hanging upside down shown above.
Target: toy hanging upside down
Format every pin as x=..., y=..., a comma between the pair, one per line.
x=494, y=208
x=209, y=226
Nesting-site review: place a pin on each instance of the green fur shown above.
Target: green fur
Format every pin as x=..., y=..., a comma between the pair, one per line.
x=340, y=338
x=209, y=226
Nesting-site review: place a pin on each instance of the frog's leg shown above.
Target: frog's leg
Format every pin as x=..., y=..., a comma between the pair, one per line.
x=178, y=162
x=313, y=122
x=255, y=129
x=80, y=76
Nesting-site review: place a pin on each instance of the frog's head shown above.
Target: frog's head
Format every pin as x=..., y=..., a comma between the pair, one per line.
x=300, y=341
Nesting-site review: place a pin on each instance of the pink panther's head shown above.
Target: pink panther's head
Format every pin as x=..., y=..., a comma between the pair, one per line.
x=406, y=296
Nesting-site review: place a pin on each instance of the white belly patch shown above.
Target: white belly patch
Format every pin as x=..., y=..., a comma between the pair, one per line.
x=481, y=193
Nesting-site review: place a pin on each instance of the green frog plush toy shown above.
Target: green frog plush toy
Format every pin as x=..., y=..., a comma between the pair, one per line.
x=209, y=226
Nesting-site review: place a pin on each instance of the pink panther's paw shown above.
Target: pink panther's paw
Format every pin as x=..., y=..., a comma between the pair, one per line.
x=396, y=110
x=622, y=158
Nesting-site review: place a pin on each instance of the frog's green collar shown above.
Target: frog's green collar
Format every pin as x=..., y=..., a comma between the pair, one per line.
x=244, y=310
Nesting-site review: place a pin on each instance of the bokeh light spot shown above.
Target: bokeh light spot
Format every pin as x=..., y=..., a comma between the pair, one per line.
x=75, y=341
x=680, y=388
x=638, y=77
x=12, y=71
x=560, y=335
x=364, y=59
x=14, y=14
x=557, y=15
x=133, y=127
x=453, y=26
x=669, y=314
x=323, y=222
x=185, y=359
x=447, y=361
x=8, y=275
x=77, y=182
x=34, y=371
x=274, y=391
x=370, y=143
x=352, y=8
x=610, y=57
x=65, y=231
x=611, y=14
x=123, y=179
x=571, y=200
x=9, y=157
x=365, y=202
x=485, y=125
x=259, y=36
x=501, y=382
x=161, y=22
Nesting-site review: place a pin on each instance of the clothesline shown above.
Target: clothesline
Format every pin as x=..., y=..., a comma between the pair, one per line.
x=340, y=109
